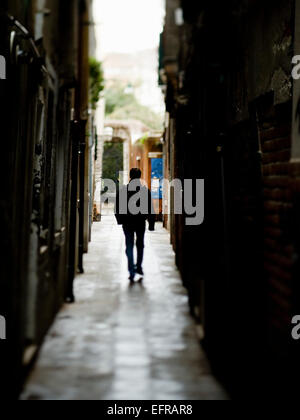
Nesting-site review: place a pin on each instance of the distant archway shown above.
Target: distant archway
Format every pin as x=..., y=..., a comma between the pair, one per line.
x=113, y=161
x=114, y=148
x=118, y=132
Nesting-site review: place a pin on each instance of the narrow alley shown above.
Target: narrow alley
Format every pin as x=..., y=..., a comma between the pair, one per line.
x=122, y=342
x=178, y=114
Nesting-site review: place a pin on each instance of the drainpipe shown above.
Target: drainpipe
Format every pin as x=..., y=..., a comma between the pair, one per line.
x=82, y=158
x=73, y=236
x=82, y=105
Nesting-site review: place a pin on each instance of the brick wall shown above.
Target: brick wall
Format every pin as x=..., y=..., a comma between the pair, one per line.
x=275, y=137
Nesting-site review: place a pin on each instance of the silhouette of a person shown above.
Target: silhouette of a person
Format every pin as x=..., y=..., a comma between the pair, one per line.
x=133, y=208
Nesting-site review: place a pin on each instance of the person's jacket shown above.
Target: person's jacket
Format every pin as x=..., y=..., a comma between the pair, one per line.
x=141, y=205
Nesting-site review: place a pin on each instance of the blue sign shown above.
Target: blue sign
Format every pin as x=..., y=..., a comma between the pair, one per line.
x=157, y=178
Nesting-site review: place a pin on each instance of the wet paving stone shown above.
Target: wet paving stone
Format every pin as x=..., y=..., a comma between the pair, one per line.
x=124, y=343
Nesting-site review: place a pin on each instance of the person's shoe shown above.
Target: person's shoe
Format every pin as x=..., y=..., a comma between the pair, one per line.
x=140, y=275
x=131, y=279
x=139, y=271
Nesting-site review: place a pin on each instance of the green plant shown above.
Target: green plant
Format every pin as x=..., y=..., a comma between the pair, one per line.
x=96, y=81
x=144, y=139
x=124, y=106
x=117, y=98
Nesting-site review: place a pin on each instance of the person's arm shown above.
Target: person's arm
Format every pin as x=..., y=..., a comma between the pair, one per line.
x=151, y=213
x=117, y=207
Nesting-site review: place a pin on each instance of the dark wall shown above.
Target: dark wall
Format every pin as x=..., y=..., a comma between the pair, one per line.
x=232, y=110
x=36, y=173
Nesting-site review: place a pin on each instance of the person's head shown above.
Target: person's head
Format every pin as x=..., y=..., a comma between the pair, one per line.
x=135, y=173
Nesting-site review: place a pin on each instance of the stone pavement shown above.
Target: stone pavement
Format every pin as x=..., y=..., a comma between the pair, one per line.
x=124, y=343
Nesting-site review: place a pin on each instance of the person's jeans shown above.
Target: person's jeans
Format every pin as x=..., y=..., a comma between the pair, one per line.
x=130, y=232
